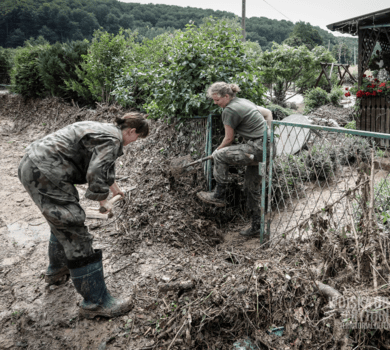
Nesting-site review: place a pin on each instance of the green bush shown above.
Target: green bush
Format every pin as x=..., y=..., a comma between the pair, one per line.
x=322, y=162
x=351, y=125
x=58, y=65
x=107, y=55
x=133, y=84
x=278, y=112
x=354, y=149
x=315, y=98
x=25, y=75
x=197, y=58
x=5, y=65
x=336, y=95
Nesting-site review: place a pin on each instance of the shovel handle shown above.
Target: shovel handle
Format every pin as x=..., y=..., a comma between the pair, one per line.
x=250, y=156
x=198, y=161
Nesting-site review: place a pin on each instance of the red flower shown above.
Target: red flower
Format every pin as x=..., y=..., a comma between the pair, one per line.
x=379, y=90
x=373, y=85
x=376, y=79
x=368, y=94
x=374, y=93
x=364, y=75
x=382, y=85
x=359, y=94
x=346, y=89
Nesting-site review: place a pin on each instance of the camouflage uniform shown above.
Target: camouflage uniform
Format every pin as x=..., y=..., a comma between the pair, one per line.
x=83, y=152
x=235, y=155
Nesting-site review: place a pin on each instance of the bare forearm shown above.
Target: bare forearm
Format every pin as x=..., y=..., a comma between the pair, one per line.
x=267, y=114
x=225, y=143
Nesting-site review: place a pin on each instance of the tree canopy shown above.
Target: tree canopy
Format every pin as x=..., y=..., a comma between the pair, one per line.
x=64, y=21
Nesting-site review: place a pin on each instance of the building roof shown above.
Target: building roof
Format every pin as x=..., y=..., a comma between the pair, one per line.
x=350, y=26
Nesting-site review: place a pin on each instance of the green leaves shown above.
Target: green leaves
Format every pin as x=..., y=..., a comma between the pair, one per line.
x=194, y=59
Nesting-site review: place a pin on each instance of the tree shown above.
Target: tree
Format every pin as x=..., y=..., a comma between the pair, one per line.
x=198, y=57
x=293, y=65
x=16, y=38
x=304, y=33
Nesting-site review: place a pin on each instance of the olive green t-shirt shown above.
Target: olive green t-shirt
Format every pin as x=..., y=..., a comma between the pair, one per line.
x=244, y=117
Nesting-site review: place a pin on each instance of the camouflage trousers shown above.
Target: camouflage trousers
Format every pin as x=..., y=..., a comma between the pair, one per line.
x=61, y=210
x=236, y=155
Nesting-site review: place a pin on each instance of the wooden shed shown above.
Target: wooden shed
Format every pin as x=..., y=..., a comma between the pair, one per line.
x=371, y=29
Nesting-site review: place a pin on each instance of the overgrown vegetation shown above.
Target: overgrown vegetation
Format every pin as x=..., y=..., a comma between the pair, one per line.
x=318, y=97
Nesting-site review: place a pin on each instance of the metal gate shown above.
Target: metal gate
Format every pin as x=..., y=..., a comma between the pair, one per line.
x=315, y=171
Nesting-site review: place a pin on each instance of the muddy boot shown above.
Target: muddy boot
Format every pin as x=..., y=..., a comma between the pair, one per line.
x=88, y=279
x=217, y=197
x=254, y=229
x=57, y=262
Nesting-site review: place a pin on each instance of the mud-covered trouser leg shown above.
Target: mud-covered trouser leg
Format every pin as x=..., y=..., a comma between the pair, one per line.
x=57, y=262
x=234, y=155
x=61, y=210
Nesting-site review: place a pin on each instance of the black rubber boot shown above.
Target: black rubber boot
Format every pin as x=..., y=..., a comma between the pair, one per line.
x=57, y=262
x=217, y=197
x=88, y=279
x=254, y=229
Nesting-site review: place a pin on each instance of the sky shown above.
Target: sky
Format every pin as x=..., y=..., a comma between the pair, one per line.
x=316, y=12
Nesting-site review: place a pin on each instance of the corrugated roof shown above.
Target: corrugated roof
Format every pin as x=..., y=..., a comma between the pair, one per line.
x=350, y=26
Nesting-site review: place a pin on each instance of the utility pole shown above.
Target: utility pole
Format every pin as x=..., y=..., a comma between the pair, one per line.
x=243, y=20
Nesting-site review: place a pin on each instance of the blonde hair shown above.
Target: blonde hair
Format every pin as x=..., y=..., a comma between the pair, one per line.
x=222, y=89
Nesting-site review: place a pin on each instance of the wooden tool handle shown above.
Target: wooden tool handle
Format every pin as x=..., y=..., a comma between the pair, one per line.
x=110, y=203
x=198, y=161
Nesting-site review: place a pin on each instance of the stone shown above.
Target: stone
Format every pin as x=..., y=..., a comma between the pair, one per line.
x=291, y=139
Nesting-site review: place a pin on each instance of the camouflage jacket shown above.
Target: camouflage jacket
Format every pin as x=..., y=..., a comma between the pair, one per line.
x=80, y=153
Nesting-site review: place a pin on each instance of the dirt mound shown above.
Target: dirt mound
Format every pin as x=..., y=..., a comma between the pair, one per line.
x=195, y=282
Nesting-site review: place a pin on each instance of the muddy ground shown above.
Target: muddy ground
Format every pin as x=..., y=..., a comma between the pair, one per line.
x=196, y=284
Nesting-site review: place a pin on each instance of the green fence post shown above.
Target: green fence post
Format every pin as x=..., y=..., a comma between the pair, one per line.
x=262, y=173
x=209, y=148
x=271, y=164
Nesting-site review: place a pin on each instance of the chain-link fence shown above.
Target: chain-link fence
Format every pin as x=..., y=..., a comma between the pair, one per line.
x=322, y=179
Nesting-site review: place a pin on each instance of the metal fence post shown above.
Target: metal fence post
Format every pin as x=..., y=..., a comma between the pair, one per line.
x=270, y=166
x=262, y=172
x=209, y=145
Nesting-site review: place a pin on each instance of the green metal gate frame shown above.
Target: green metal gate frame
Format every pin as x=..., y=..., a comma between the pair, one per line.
x=262, y=166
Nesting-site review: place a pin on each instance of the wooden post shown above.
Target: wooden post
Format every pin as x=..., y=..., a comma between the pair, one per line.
x=360, y=58
x=243, y=20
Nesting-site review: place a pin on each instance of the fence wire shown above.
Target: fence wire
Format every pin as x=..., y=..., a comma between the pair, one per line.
x=319, y=178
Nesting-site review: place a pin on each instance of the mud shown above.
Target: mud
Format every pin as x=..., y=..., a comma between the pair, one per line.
x=195, y=282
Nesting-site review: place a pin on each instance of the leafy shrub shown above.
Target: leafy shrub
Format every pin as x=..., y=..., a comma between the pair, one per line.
x=197, y=58
x=278, y=112
x=351, y=125
x=322, y=162
x=25, y=75
x=58, y=65
x=315, y=98
x=133, y=84
x=107, y=55
x=5, y=65
x=354, y=148
x=336, y=95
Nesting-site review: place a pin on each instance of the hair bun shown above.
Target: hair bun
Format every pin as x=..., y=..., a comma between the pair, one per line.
x=119, y=121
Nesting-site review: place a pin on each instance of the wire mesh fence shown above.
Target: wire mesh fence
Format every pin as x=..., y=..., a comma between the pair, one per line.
x=320, y=179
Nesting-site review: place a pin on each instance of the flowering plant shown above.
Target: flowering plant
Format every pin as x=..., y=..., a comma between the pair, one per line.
x=371, y=87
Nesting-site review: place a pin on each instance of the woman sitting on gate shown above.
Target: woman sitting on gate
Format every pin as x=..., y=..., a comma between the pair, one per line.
x=248, y=120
